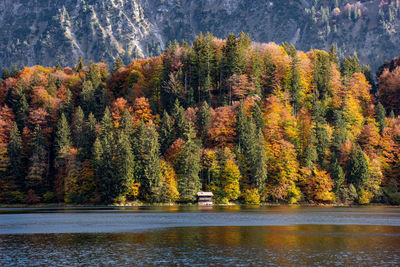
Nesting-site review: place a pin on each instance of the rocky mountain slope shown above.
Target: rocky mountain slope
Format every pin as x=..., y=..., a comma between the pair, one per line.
x=49, y=31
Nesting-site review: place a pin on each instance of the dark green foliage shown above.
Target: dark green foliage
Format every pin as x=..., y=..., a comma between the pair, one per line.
x=104, y=153
x=349, y=66
x=380, y=115
x=250, y=149
x=333, y=57
x=118, y=64
x=337, y=173
x=15, y=154
x=166, y=132
x=38, y=167
x=126, y=124
x=296, y=86
x=310, y=155
x=100, y=98
x=16, y=99
x=322, y=75
x=90, y=136
x=6, y=74
x=62, y=142
x=270, y=68
x=392, y=116
x=321, y=134
x=357, y=167
x=241, y=125
x=80, y=65
x=366, y=70
x=68, y=106
x=94, y=75
x=203, y=121
x=147, y=155
x=187, y=169
x=204, y=67
x=14, y=71
x=259, y=168
x=78, y=128
x=87, y=101
x=181, y=125
x=339, y=135
x=233, y=58
x=125, y=164
x=258, y=117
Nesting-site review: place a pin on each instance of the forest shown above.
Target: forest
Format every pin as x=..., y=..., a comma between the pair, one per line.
x=251, y=122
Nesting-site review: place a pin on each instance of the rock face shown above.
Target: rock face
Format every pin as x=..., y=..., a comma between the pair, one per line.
x=49, y=31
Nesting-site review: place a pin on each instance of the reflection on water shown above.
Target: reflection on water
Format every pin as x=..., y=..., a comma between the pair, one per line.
x=225, y=245
x=192, y=236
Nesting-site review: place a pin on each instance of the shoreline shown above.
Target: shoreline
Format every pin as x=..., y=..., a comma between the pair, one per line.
x=139, y=205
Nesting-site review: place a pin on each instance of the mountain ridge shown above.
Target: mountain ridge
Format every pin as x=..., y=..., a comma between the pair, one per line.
x=47, y=32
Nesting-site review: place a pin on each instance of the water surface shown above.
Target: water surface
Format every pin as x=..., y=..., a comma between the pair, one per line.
x=200, y=236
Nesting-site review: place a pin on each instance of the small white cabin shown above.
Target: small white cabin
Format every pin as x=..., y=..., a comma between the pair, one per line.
x=205, y=198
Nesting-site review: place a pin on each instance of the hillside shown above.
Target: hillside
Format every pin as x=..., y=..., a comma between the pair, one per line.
x=250, y=122
x=48, y=31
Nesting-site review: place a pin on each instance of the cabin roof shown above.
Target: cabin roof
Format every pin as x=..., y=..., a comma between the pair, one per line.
x=205, y=194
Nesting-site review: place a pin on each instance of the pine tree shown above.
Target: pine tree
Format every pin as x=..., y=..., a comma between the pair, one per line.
x=16, y=100
x=296, y=85
x=259, y=167
x=187, y=169
x=166, y=133
x=322, y=74
x=333, y=57
x=78, y=128
x=147, y=154
x=80, y=65
x=310, y=155
x=90, y=136
x=392, y=116
x=270, y=69
x=357, y=167
x=100, y=98
x=125, y=166
x=380, y=114
x=204, y=121
x=37, y=172
x=94, y=75
x=126, y=125
x=181, y=125
x=339, y=135
x=118, y=64
x=257, y=116
x=241, y=128
x=321, y=134
x=107, y=169
x=87, y=99
x=337, y=173
x=68, y=106
x=14, y=152
x=62, y=142
x=6, y=74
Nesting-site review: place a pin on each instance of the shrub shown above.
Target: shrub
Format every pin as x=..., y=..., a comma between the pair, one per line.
x=251, y=196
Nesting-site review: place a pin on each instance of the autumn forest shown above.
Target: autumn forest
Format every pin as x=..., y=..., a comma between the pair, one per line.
x=249, y=122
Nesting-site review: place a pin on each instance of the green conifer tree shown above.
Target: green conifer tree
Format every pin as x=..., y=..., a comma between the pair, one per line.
x=118, y=64
x=203, y=121
x=78, y=128
x=187, y=169
x=80, y=65
x=380, y=115
x=14, y=152
x=166, y=132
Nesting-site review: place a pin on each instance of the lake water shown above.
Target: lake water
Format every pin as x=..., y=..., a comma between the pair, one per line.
x=196, y=236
